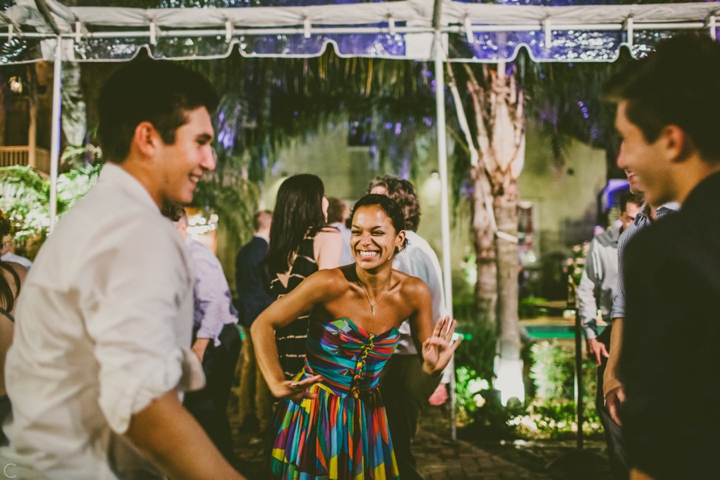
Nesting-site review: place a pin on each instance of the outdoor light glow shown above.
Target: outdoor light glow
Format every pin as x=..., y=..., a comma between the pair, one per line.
x=432, y=189
x=509, y=379
x=16, y=85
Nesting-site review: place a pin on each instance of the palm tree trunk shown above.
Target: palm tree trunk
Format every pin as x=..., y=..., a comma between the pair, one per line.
x=484, y=242
x=500, y=122
x=508, y=361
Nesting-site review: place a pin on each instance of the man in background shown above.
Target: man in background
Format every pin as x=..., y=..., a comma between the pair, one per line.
x=404, y=387
x=216, y=340
x=595, y=292
x=337, y=217
x=253, y=287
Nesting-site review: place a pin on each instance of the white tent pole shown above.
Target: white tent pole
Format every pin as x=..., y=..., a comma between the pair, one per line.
x=444, y=200
x=55, y=139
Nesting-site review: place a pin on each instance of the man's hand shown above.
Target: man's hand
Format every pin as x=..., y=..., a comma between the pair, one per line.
x=200, y=346
x=613, y=399
x=596, y=350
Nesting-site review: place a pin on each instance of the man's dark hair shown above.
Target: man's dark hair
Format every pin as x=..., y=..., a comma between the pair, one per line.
x=262, y=219
x=403, y=192
x=678, y=84
x=174, y=212
x=158, y=92
x=336, y=209
x=391, y=209
x=377, y=182
x=629, y=197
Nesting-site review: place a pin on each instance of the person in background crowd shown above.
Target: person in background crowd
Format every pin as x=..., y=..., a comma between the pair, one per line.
x=12, y=276
x=404, y=386
x=330, y=422
x=670, y=358
x=337, y=217
x=253, y=287
x=7, y=254
x=101, y=351
x=595, y=292
x=300, y=245
x=216, y=340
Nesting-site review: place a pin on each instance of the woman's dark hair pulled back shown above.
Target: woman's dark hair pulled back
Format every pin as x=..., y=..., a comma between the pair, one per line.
x=387, y=205
x=298, y=209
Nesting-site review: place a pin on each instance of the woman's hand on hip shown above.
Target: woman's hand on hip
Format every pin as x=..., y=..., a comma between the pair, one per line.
x=295, y=390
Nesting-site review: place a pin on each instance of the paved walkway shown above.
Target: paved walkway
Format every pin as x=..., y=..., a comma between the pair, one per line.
x=438, y=459
x=441, y=459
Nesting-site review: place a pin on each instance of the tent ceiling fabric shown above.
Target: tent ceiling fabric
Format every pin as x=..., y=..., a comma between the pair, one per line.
x=399, y=30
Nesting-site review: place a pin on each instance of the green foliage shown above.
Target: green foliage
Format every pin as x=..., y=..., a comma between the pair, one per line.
x=528, y=307
x=25, y=197
x=553, y=372
x=467, y=389
x=235, y=203
x=550, y=415
x=556, y=419
x=477, y=350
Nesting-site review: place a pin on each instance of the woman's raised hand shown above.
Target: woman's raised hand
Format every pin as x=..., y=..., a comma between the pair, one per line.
x=296, y=391
x=437, y=351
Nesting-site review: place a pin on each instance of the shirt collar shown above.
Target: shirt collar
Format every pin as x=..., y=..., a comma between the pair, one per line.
x=662, y=210
x=115, y=175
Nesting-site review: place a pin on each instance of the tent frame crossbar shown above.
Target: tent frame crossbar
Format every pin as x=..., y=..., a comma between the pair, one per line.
x=12, y=33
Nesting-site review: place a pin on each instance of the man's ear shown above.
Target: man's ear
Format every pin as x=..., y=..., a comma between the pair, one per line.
x=146, y=139
x=676, y=143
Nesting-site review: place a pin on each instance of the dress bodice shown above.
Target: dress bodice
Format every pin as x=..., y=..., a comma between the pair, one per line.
x=349, y=359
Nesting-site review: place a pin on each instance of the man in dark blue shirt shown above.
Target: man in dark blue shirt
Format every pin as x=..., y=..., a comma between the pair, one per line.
x=670, y=357
x=253, y=284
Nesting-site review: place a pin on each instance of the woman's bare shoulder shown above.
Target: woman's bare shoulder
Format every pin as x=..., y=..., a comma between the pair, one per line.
x=328, y=233
x=410, y=284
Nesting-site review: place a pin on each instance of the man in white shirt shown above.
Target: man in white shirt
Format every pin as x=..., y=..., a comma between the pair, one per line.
x=101, y=351
x=336, y=217
x=404, y=387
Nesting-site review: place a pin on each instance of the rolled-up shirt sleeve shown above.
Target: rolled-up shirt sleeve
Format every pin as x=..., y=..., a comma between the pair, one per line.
x=586, y=292
x=618, y=308
x=134, y=318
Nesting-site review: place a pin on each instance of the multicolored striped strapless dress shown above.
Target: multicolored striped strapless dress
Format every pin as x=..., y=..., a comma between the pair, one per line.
x=342, y=433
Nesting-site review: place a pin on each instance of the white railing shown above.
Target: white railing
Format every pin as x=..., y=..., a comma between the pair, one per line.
x=19, y=155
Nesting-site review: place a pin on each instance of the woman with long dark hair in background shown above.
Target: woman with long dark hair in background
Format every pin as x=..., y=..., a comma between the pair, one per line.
x=11, y=277
x=301, y=243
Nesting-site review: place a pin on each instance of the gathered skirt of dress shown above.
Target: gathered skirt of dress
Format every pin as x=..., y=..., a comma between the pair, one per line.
x=333, y=437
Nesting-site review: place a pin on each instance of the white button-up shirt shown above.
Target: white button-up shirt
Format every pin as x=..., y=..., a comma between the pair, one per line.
x=420, y=260
x=103, y=326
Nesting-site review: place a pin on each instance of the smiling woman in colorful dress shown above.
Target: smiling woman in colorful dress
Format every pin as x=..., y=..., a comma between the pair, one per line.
x=330, y=422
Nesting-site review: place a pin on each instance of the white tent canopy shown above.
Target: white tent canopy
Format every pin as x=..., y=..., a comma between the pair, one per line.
x=491, y=32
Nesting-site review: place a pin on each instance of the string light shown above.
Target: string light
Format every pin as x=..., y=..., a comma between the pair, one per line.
x=198, y=225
